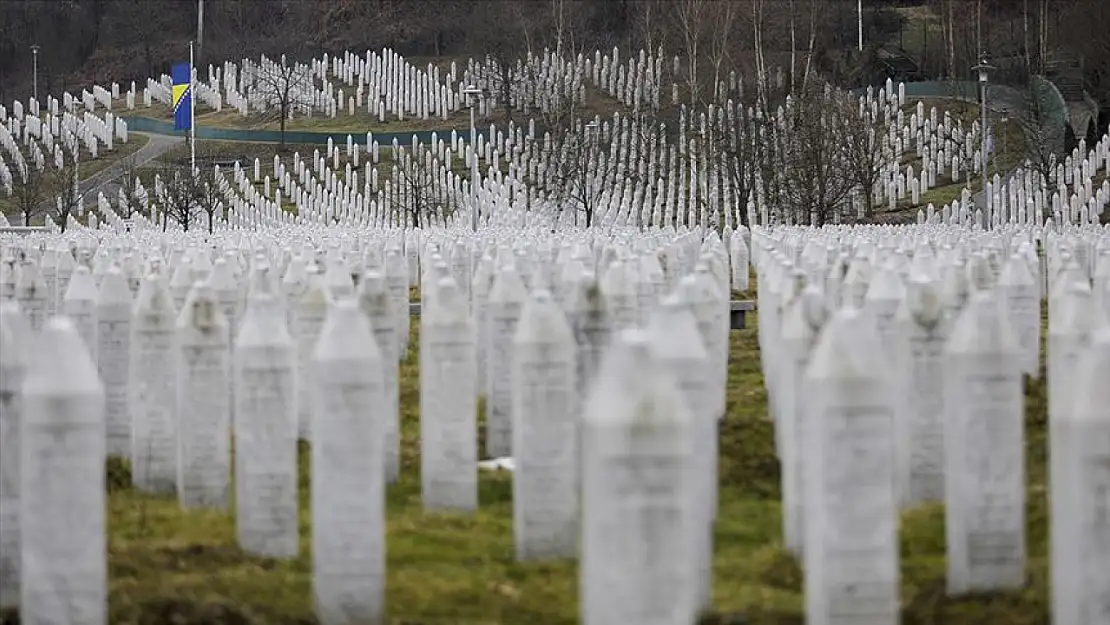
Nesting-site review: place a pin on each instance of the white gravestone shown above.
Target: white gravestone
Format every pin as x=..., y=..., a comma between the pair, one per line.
x=62, y=499
x=984, y=451
x=506, y=299
x=678, y=346
x=448, y=412
x=203, y=402
x=113, y=335
x=1086, y=521
x=801, y=324
x=545, y=433
x=920, y=427
x=311, y=310
x=79, y=305
x=1019, y=289
x=376, y=305
x=1070, y=328
x=638, y=523
x=266, y=391
x=15, y=338
x=851, y=521
x=348, y=471
x=152, y=390
x=31, y=292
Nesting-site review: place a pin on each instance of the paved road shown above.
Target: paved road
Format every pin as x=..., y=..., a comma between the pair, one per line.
x=107, y=179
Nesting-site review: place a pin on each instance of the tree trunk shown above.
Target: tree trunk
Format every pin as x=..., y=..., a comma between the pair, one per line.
x=793, y=49
x=284, y=116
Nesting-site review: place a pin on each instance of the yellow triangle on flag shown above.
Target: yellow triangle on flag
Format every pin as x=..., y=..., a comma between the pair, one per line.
x=178, y=93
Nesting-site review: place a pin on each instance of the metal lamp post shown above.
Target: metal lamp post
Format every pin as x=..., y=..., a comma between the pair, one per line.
x=35, y=70
x=474, y=95
x=984, y=69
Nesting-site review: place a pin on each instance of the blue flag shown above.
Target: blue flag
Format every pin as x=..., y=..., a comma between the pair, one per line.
x=182, y=96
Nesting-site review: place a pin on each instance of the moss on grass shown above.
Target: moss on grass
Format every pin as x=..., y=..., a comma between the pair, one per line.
x=170, y=566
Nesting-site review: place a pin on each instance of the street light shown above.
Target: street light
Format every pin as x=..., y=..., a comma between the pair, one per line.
x=35, y=70
x=474, y=95
x=984, y=69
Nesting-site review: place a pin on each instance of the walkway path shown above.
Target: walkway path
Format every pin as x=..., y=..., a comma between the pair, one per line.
x=108, y=178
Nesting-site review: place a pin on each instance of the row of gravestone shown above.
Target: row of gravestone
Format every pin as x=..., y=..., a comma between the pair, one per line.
x=910, y=343
x=171, y=385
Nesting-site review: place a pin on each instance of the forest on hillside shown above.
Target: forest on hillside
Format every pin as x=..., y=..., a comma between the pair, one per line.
x=99, y=41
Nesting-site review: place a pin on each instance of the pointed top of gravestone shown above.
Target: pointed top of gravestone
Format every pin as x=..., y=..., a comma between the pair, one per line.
x=201, y=312
x=113, y=288
x=923, y=300
x=634, y=389
x=82, y=286
x=981, y=328
x=847, y=349
x=542, y=321
x=15, y=335
x=508, y=286
x=60, y=364
x=1073, y=313
x=448, y=306
x=979, y=271
x=885, y=285
x=222, y=277
x=373, y=296
x=814, y=305
x=28, y=275
x=64, y=259
x=182, y=276
x=153, y=297
x=346, y=335
x=673, y=330
x=1091, y=372
x=1015, y=272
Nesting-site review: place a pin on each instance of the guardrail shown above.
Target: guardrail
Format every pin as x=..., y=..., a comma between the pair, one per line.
x=138, y=123
x=738, y=310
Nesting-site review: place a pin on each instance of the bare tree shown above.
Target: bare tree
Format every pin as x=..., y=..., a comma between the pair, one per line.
x=691, y=16
x=286, y=86
x=1042, y=139
x=813, y=180
x=46, y=191
x=506, y=41
x=420, y=183
x=723, y=20
x=866, y=149
x=67, y=195
x=577, y=172
x=760, y=65
x=131, y=196
x=651, y=24
x=178, y=192
x=31, y=187
x=210, y=201
x=739, y=148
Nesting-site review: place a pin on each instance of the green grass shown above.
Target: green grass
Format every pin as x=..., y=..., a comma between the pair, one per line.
x=169, y=566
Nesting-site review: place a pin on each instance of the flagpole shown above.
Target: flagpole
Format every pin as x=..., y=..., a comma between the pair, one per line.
x=192, y=115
